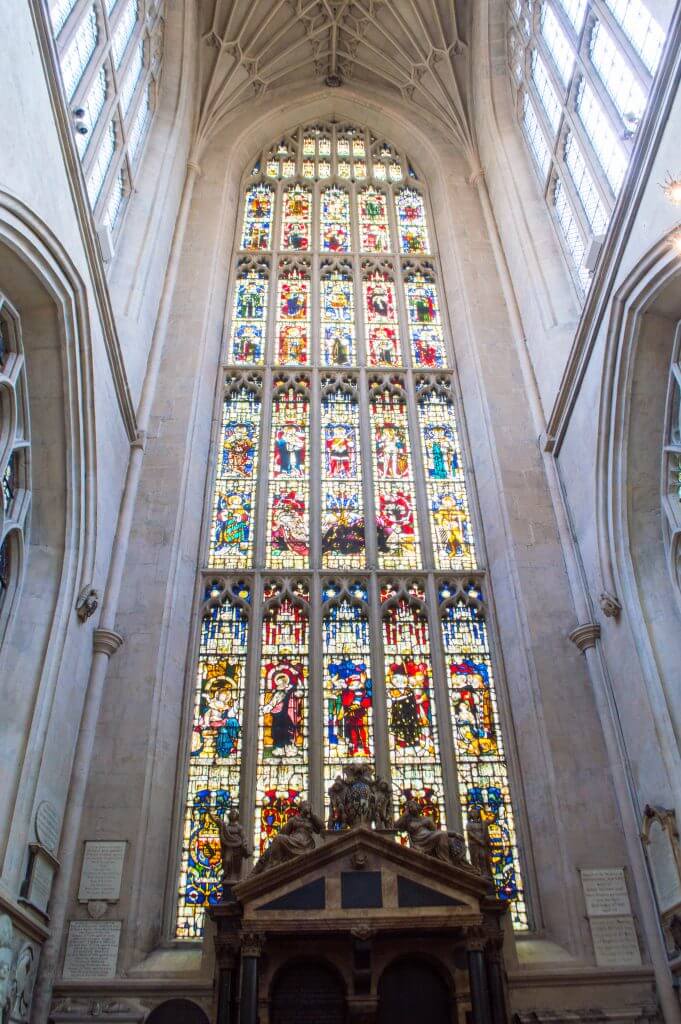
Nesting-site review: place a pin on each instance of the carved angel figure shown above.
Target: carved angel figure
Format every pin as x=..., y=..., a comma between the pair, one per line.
x=424, y=835
x=296, y=837
x=478, y=842
x=233, y=845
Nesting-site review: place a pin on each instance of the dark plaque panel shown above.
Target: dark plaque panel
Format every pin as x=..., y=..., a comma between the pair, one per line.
x=360, y=889
x=413, y=894
x=309, y=897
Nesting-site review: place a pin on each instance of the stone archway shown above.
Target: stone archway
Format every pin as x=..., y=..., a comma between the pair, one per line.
x=307, y=992
x=177, y=1011
x=412, y=990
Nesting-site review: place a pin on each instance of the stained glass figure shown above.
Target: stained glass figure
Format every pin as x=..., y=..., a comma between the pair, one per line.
x=379, y=172
x=249, y=314
x=480, y=760
x=213, y=786
x=374, y=233
x=288, y=539
x=358, y=148
x=324, y=169
x=425, y=324
x=8, y=484
x=360, y=169
x=337, y=315
x=296, y=219
x=348, y=689
x=445, y=482
x=342, y=506
x=412, y=726
x=231, y=544
x=380, y=319
x=335, y=220
x=258, y=209
x=343, y=147
x=293, y=315
x=282, y=764
x=396, y=519
x=395, y=171
x=411, y=220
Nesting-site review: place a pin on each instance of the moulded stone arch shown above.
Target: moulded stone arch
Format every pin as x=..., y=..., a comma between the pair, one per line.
x=644, y=315
x=59, y=559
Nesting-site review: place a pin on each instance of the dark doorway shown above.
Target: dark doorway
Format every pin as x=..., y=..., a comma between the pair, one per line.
x=307, y=992
x=412, y=990
x=177, y=1011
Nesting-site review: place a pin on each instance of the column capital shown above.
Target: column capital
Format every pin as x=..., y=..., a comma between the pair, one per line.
x=585, y=635
x=475, y=940
x=252, y=943
x=106, y=641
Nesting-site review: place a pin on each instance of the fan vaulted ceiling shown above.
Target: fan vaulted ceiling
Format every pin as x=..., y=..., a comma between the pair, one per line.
x=411, y=47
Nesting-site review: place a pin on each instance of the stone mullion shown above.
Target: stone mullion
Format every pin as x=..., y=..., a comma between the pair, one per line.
x=316, y=699
x=380, y=711
x=249, y=745
x=450, y=778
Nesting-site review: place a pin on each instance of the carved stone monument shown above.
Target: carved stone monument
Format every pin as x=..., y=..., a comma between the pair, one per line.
x=358, y=797
x=426, y=837
x=477, y=831
x=296, y=837
x=233, y=845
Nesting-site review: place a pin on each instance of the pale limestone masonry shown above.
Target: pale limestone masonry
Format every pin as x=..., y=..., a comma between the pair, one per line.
x=564, y=417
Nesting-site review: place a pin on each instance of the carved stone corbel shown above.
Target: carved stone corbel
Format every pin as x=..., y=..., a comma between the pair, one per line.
x=585, y=636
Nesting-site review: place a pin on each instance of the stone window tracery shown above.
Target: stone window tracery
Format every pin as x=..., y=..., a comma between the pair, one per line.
x=581, y=72
x=343, y=614
x=671, y=470
x=14, y=457
x=109, y=53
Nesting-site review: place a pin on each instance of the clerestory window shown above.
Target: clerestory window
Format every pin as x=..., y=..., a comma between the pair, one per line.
x=344, y=608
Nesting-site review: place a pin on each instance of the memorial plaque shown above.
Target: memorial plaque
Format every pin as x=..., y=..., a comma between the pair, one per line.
x=605, y=892
x=37, y=888
x=47, y=825
x=92, y=949
x=615, y=941
x=102, y=871
x=663, y=866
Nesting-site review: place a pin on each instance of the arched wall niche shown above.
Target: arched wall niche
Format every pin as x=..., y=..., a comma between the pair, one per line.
x=646, y=312
x=50, y=299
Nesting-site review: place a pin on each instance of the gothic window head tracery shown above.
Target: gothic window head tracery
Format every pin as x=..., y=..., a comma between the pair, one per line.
x=337, y=503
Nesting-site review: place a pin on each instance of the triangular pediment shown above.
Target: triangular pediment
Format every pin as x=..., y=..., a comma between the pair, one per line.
x=362, y=875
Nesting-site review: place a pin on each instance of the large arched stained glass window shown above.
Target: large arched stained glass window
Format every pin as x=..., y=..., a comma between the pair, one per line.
x=344, y=615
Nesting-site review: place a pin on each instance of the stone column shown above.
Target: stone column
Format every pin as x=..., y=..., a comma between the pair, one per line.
x=251, y=947
x=227, y=981
x=477, y=979
x=496, y=981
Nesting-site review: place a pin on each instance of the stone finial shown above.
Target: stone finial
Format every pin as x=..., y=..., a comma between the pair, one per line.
x=585, y=635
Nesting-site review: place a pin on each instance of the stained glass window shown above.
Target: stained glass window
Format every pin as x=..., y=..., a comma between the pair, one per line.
x=424, y=318
x=215, y=754
x=394, y=497
x=293, y=314
x=481, y=764
x=450, y=521
x=347, y=687
x=380, y=319
x=296, y=218
x=342, y=505
x=14, y=460
x=412, y=727
x=249, y=313
x=231, y=545
x=257, y=231
x=337, y=314
x=333, y=460
x=283, y=708
x=411, y=220
x=288, y=540
x=374, y=233
x=335, y=220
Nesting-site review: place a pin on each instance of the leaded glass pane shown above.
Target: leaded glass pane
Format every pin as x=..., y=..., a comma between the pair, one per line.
x=602, y=137
x=480, y=759
x=115, y=202
x=411, y=222
x=77, y=56
x=257, y=230
x=232, y=529
x=535, y=137
x=337, y=315
x=296, y=218
x=293, y=314
x=348, y=688
x=373, y=221
x=335, y=220
x=123, y=30
x=341, y=479
x=92, y=105
x=213, y=784
x=575, y=10
x=249, y=314
x=424, y=319
x=288, y=542
x=380, y=320
x=394, y=496
x=102, y=163
x=59, y=12
x=643, y=31
x=617, y=76
x=412, y=725
x=557, y=42
x=547, y=94
x=281, y=779
x=586, y=187
x=571, y=234
x=139, y=126
x=132, y=77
